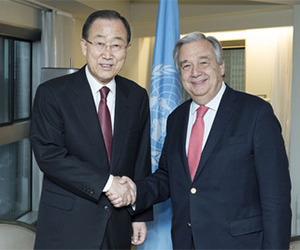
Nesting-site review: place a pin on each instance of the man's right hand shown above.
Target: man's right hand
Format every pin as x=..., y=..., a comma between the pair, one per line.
x=122, y=192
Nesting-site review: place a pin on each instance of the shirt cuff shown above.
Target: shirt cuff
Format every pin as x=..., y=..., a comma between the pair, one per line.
x=108, y=183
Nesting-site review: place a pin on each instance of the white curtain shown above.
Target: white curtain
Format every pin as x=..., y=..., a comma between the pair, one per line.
x=58, y=38
x=282, y=80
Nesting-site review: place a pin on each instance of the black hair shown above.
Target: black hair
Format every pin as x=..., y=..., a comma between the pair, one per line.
x=104, y=14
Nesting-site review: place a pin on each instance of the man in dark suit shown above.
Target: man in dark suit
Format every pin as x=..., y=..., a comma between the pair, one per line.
x=70, y=145
x=239, y=195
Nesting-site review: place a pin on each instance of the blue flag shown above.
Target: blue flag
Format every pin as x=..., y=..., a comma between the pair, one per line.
x=165, y=96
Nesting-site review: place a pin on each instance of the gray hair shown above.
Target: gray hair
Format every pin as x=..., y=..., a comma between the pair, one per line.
x=194, y=37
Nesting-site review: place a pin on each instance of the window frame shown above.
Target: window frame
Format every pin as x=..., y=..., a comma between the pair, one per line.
x=12, y=83
x=18, y=129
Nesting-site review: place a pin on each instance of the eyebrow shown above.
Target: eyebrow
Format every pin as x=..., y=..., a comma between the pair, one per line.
x=185, y=61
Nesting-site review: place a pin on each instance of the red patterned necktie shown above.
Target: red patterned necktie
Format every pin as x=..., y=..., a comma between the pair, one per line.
x=105, y=120
x=196, y=140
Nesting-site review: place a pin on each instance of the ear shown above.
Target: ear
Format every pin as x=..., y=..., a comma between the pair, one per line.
x=83, y=45
x=128, y=47
x=222, y=67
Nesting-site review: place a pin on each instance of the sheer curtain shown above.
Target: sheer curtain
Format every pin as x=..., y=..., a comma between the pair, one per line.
x=282, y=80
x=58, y=38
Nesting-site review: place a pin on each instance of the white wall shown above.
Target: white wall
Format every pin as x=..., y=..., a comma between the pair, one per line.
x=295, y=123
x=211, y=18
x=21, y=15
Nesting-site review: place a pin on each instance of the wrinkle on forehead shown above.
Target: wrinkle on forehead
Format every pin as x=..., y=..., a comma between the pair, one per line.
x=107, y=37
x=108, y=29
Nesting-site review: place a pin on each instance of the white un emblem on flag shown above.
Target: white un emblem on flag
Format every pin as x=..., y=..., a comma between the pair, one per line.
x=165, y=97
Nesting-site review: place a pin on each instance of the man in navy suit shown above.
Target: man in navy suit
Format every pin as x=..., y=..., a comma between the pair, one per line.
x=69, y=145
x=239, y=197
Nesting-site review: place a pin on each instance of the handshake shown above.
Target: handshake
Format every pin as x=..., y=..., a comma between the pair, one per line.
x=122, y=192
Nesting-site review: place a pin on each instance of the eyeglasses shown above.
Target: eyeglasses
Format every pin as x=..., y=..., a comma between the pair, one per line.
x=101, y=47
x=201, y=64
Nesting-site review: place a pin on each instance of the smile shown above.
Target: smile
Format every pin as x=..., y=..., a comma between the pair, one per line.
x=198, y=82
x=106, y=66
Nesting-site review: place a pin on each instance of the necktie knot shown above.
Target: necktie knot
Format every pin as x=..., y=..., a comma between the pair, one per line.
x=104, y=92
x=201, y=111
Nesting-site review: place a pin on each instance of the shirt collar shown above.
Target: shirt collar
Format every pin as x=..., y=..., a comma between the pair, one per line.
x=96, y=86
x=213, y=104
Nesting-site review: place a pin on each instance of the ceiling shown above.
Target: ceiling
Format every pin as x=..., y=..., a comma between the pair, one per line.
x=82, y=8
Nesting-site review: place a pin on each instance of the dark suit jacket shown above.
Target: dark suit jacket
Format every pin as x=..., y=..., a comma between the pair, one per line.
x=70, y=150
x=240, y=197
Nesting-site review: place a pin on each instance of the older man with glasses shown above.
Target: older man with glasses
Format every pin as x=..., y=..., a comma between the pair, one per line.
x=87, y=129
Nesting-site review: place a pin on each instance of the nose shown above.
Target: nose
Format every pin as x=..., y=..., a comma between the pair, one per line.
x=106, y=53
x=196, y=71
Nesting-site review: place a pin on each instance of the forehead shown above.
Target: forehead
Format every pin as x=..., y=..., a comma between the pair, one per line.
x=106, y=28
x=195, y=50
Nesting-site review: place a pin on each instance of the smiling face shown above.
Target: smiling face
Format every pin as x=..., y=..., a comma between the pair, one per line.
x=105, y=65
x=200, y=73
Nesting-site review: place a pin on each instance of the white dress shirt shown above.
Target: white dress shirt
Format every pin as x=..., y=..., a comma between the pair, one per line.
x=208, y=118
x=111, y=97
x=111, y=100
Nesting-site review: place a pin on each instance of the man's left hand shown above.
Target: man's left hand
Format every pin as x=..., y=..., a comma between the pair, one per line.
x=139, y=233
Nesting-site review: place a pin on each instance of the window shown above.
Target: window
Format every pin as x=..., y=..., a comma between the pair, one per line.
x=15, y=77
x=235, y=68
x=22, y=80
x=234, y=55
x=4, y=84
x=15, y=112
x=15, y=179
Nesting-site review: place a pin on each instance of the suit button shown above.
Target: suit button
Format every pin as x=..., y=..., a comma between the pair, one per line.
x=189, y=224
x=193, y=190
x=106, y=208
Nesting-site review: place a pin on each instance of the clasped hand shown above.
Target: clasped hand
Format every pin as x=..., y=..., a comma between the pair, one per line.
x=122, y=192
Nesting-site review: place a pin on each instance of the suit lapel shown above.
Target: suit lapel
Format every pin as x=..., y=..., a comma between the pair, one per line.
x=222, y=119
x=182, y=130
x=83, y=102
